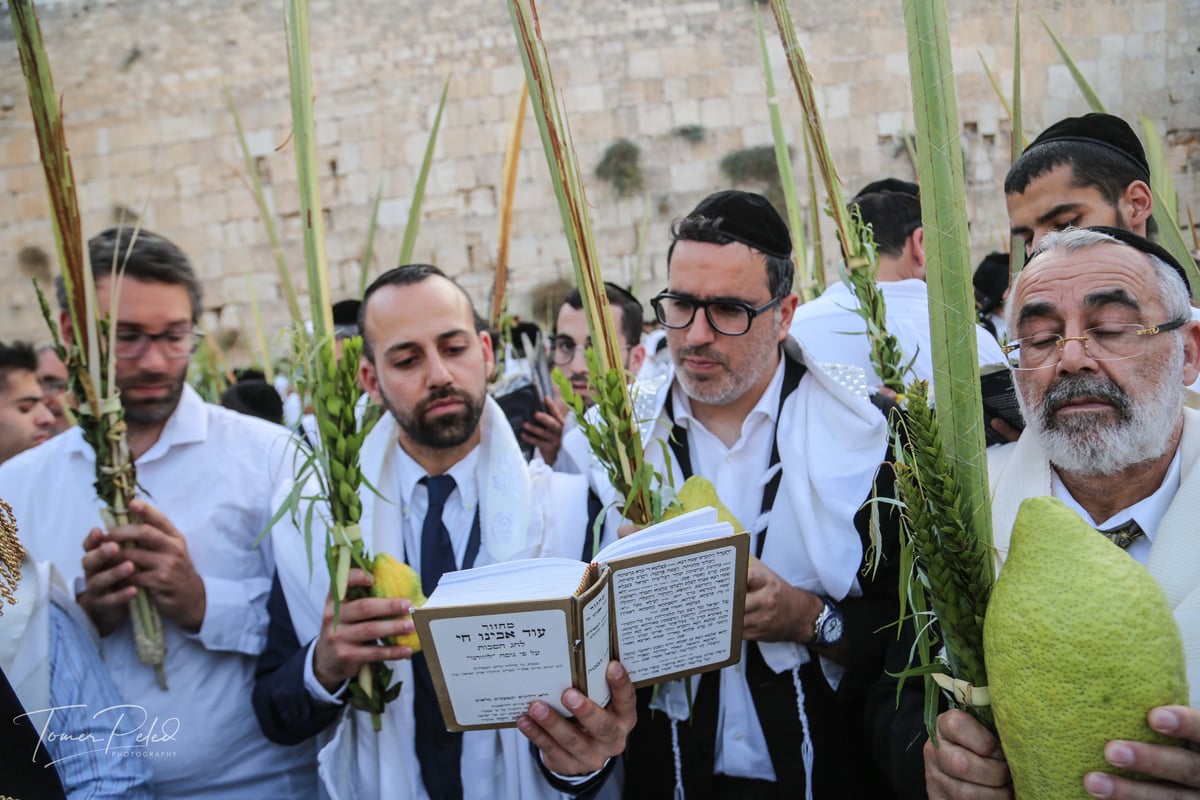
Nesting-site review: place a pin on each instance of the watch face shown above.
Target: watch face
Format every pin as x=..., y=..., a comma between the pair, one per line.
x=831, y=631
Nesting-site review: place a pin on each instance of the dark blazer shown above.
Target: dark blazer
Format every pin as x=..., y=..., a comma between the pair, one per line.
x=27, y=770
x=286, y=712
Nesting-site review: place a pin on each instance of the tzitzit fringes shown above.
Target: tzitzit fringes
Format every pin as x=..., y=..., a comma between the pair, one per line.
x=806, y=744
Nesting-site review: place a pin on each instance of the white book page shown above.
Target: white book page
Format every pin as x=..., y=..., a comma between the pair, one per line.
x=597, y=646
x=694, y=526
x=676, y=614
x=496, y=665
x=524, y=579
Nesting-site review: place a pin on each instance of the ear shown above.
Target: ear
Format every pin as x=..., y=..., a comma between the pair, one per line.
x=917, y=240
x=637, y=357
x=64, y=327
x=368, y=378
x=489, y=357
x=1137, y=203
x=1191, y=352
x=787, y=309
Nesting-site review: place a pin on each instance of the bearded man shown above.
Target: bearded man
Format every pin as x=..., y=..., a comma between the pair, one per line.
x=446, y=488
x=1105, y=347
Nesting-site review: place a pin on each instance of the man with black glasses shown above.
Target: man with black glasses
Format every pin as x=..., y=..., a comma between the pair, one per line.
x=793, y=454
x=567, y=347
x=215, y=478
x=1104, y=348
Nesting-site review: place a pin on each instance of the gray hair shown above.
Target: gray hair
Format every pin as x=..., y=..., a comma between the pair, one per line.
x=1171, y=289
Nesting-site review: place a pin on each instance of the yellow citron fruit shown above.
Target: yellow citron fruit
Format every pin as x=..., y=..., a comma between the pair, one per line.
x=698, y=492
x=1080, y=644
x=395, y=579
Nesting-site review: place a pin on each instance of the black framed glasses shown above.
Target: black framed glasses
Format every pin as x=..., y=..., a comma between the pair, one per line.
x=175, y=344
x=1111, y=342
x=730, y=317
x=564, y=348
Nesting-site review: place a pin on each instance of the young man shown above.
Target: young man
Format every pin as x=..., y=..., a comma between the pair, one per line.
x=449, y=489
x=567, y=347
x=1108, y=434
x=25, y=420
x=52, y=377
x=1081, y=171
x=793, y=455
x=830, y=328
x=215, y=479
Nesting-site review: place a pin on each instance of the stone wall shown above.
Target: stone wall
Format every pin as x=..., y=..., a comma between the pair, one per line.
x=151, y=134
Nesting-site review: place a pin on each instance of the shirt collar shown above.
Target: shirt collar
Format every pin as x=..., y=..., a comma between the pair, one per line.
x=766, y=408
x=1148, y=512
x=187, y=424
x=463, y=472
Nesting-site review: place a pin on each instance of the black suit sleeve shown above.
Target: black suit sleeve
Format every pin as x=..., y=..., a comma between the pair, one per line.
x=286, y=712
x=583, y=791
x=27, y=770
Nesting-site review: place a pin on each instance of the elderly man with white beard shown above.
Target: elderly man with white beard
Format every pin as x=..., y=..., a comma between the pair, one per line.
x=1105, y=347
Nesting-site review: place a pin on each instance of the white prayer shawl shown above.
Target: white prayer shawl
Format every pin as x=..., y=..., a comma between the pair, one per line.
x=831, y=443
x=25, y=631
x=525, y=512
x=1022, y=470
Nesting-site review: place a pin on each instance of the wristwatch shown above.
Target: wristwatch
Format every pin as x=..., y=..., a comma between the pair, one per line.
x=828, y=629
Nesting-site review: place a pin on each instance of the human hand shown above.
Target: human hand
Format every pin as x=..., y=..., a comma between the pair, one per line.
x=1000, y=426
x=1172, y=769
x=106, y=574
x=546, y=431
x=966, y=762
x=161, y=565
x=342, y=649
x=776, y=611
x=584, y=744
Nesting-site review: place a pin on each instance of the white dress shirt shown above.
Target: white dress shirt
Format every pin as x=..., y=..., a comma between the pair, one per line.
x=741, y=749
x=218, y=476
x=1148, y=512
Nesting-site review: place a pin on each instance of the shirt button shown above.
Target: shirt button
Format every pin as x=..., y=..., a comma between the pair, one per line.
x=737, y=737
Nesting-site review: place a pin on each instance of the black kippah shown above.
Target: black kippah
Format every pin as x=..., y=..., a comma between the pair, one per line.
x=747, y=218
x=1104, y=130
x=1146, y=246
x=889, y=185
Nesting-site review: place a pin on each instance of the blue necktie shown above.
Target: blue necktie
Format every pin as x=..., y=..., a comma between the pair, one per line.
x=439, y=751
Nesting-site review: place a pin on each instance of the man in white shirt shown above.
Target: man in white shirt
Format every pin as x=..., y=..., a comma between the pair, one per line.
x=830, y=328
x=1106, y=346
x=444, y=453
x=793, y=454
x=215, y=477
x=570, y=342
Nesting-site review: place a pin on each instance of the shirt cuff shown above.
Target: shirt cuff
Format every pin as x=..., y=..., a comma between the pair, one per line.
x=235, y=615
x=313, y=686
x=574, y=780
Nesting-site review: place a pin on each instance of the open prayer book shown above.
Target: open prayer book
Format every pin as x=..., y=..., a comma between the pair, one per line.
x=667, y=601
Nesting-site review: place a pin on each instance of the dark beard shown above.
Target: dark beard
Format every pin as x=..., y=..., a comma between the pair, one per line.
x=449, y=430
x=150, y=412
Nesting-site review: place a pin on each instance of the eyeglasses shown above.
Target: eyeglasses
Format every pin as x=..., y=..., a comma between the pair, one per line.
x=175, y=344
x=1111, y=342
x=563, y=349
x=730, y=317
x=52, y=386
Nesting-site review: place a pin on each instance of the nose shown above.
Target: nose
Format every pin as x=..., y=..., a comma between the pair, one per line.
x=153, y=359
x=1074, y=355
x=700, y=332
x=438, y=374
x=579, y=360
x=43, y=416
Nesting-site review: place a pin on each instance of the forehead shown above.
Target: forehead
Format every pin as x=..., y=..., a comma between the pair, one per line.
x=704, y=269
x=19, y=383
x=1065, y=281
x=417, y=312
x=143, y=303
x=573, y=322
x=1053, y=189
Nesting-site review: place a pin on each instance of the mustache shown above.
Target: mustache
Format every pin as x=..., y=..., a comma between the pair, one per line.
x=703, y=351
x=1076, y=387
x=443, y=393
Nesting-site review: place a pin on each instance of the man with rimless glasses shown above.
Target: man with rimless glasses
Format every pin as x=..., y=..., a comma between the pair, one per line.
x=215, y=478
x=570, y=341
x=1104, y=349
x=793, y=454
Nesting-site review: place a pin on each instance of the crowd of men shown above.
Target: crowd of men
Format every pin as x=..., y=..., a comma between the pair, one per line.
x=775, y=402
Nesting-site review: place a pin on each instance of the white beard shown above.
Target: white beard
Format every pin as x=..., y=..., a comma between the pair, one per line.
x=1086, y=446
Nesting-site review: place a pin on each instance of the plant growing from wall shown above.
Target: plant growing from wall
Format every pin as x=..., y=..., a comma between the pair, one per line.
x=619, y=166
x=756, y=167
